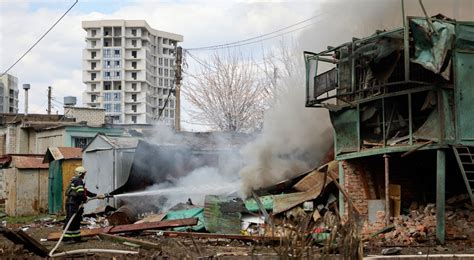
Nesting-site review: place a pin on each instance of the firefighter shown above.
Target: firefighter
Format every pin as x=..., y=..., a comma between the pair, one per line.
x=76, y=195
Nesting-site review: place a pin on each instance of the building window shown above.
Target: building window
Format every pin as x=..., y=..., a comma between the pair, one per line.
x=134, y=43
x=166, y=62
x=106, y=74
x=134, y=64
x=134, y=86
x=117, y=53
x=93, y=98
x=93, y=33
x=134, y=54
x=117, y=108
x=166, y=82
x=134, y=97
x=134, y=108
x=117, y=74
x=93, y=54
x=166, y=72
x=93, y=76
x=134, y=75
x=108, y=107
x=93, y=65
x=134, y=32
x=160, y=82
x=93, y=86
x=117, y=64
x=117, y=96
x=81, y=142
x=107, y=64
x=107, y=85
x=108, y=97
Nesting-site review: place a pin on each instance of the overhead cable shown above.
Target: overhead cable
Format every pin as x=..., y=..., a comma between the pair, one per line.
x=219, y=46
x=42, y=36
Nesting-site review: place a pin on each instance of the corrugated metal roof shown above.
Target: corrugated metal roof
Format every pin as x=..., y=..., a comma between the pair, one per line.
x=71, y=152
x=62, y=153
x=29, y=162
x=121, y=141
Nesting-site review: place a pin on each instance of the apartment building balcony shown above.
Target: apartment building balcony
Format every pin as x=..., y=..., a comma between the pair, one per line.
x=95, y=37
x=131, y=47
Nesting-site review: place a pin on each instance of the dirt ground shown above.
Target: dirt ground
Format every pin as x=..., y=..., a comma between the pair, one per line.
x=178, y=248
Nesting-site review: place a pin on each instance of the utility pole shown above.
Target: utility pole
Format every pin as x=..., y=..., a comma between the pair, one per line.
x=177, y=75
x=49, y=100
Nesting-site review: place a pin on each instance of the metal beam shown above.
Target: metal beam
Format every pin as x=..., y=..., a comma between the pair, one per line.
x=440, y=195
x=388, y=149
x=342, y=207
x=410, y=119
x=387, y=193
x=406, y=46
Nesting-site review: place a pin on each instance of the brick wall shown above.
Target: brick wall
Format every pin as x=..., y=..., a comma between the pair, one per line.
x=359, y=183
x=93, y=116
x=10, y=145
x=365, y=178
x=3, y=144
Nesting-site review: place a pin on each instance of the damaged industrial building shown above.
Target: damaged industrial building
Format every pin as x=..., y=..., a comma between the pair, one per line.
x=400, y=103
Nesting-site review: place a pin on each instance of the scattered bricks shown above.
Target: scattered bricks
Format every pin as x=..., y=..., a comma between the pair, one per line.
x=419, y=226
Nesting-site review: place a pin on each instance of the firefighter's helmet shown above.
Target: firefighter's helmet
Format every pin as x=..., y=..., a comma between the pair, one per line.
x=80, y=171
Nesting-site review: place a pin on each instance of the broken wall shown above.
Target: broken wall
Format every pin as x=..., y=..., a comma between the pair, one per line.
x=364, y=178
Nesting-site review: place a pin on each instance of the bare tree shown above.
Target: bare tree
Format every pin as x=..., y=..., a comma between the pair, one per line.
x=227, y=94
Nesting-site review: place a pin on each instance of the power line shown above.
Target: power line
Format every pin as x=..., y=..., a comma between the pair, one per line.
x=257, y=41
x=42, y=36
x=252, y=38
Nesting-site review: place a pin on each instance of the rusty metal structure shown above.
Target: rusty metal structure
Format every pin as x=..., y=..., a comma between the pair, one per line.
x=401, y=91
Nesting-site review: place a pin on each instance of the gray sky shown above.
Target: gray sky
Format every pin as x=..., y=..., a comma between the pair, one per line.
x=57, y=59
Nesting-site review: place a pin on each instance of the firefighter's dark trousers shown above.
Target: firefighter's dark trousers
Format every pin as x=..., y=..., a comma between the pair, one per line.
x=74, y=230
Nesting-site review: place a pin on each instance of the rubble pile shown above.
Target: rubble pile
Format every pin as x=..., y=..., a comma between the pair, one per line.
x=419, y=225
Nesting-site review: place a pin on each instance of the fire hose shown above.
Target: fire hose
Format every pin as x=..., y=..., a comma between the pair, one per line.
x=90, y=250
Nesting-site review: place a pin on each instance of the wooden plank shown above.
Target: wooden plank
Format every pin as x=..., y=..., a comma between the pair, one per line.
x=214, y=235
x=32, y=244
x=152, y=218
x=21, y=238
x=132, y=227
x=141, y=243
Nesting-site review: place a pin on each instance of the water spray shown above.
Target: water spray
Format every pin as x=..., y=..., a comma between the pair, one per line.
x=227, y=188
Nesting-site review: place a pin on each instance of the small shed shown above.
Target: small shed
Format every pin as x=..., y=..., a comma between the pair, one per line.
x=108, y=161
x=26, y=185
x=62, y=162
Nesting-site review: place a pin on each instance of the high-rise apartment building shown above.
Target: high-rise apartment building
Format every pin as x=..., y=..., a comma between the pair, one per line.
x=128, y=68
x=8, y=94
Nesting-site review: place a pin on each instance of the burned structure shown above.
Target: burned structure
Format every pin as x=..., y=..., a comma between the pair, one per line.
x=401, y=106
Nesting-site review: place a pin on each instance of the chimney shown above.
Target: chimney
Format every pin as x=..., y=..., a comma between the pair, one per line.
x=26, y=87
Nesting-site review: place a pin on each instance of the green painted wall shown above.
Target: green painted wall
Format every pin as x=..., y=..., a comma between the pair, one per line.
x=73, y=131
x=464, y=80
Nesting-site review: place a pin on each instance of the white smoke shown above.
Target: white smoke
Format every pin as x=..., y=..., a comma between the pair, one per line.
x=293, y=140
